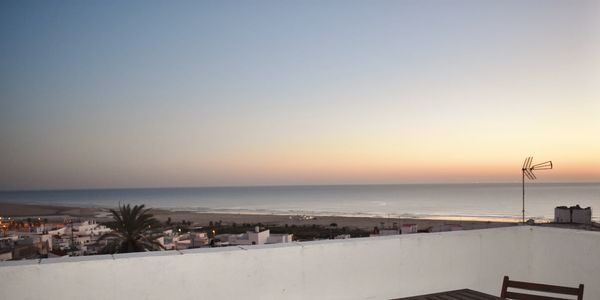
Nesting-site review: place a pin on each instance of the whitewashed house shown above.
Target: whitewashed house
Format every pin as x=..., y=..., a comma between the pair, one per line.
x=255, y=237
x=408, y=228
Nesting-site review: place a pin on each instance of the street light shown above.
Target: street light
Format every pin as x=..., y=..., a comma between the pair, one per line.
x=527, y=170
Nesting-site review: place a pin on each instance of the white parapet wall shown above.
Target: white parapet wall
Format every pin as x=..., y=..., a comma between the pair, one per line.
x=365, y=268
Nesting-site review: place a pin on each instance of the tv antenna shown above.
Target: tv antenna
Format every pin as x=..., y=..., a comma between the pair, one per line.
x=527, y=170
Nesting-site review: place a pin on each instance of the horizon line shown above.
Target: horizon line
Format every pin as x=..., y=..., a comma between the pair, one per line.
x=278, y=185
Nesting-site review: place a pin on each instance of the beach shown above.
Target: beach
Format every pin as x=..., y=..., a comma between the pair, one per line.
x=484, y=202
x=60, y=213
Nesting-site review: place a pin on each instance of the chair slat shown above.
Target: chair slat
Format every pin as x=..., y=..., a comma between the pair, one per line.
x=521, y=296
x=530, y=286
x=543, y=287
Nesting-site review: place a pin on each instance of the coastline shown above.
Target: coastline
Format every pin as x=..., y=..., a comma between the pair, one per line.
x=58, y=213
x=497, y=202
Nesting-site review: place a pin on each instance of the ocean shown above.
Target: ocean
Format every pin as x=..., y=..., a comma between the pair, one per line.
x=462, y=201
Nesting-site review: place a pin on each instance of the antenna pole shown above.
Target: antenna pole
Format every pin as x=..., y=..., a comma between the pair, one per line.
x=528, y=169
x=523, y=195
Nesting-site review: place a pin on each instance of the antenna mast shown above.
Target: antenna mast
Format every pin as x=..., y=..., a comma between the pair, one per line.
x=527, y=170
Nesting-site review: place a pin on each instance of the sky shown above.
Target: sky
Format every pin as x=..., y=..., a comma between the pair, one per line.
x=98, y=94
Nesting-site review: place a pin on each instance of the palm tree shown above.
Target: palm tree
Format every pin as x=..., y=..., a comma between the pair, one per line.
x=131, y=231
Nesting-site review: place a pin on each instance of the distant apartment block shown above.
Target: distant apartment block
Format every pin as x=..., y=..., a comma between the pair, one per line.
x=573, y=214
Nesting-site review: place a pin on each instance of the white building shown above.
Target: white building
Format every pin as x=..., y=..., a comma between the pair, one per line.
x=581, y=215
x=168, y=240
x=78, y=238
x=279, y=238
x=198, y=239
x=174, y=241
x=562, y=214
x=408, y=228
x=384, y=232
x=46, y=238
x=573, y=214
x=183, y=244
x=58, y=231
x=90, y=227
x=255, y=237
x=258, y=237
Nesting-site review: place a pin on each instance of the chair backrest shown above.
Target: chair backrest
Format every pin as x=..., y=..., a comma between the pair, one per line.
x=554, y=289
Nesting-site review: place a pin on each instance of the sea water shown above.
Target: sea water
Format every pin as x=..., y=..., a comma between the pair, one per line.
x=468, y=201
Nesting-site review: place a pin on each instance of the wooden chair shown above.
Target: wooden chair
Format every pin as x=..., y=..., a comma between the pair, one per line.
x=554, y=289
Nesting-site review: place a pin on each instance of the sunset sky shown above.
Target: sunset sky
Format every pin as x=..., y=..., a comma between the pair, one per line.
x=154, y=94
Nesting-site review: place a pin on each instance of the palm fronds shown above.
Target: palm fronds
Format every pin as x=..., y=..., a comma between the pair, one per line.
x=132, y=231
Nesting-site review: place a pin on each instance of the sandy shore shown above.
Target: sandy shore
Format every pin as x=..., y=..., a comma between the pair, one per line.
x=48, y=211
x=59, y=213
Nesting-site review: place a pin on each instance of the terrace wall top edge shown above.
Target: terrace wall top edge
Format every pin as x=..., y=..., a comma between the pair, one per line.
x=120, y=256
